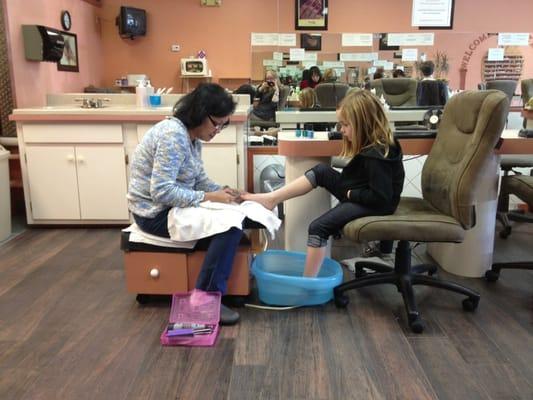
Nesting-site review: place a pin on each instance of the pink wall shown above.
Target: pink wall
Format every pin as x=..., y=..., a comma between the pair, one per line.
x=33, y=80
x=224, y=33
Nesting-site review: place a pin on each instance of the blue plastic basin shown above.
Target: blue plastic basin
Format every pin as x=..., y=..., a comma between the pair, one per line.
x=280, y=282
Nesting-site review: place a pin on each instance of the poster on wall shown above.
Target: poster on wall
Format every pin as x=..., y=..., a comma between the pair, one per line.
x=311, y=15
x=69, y=60
x=433, y=14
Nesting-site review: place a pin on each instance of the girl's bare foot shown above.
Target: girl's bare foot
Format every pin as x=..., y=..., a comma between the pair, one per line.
x=265, y=199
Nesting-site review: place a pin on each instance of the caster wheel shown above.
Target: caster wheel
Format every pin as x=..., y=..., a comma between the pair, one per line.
x=505, y=232
x=492, y=276
x=360, y=272
x=416, y=324
x=143, y=298
x=235, y=301
x=341, y=300
x=470, y=304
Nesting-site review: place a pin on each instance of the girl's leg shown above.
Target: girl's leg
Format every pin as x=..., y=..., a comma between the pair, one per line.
x=313, y=261
x=320, y=175
x=326, y=225
x=296, y=188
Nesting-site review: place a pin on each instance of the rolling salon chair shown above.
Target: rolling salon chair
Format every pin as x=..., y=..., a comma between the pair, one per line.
x=282, y=103
x=522, y=187
x=330, y=94
x=468, y=133
x=508, y=162
x=398, y=92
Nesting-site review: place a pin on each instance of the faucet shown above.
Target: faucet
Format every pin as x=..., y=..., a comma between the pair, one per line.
x=92, y=102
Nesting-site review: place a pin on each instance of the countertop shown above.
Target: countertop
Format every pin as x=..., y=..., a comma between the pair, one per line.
x=106, y=113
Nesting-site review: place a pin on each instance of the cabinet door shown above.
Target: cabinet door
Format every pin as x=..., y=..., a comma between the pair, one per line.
x=220, y=163
x=102, y=182
x=52, y=182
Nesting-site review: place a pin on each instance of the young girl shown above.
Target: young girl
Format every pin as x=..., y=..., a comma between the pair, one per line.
x=370, y=184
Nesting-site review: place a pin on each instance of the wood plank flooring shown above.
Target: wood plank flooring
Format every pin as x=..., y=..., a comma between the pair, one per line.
x=69, y=330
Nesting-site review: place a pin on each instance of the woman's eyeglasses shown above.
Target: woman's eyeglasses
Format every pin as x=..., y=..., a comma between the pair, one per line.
x=218, y=126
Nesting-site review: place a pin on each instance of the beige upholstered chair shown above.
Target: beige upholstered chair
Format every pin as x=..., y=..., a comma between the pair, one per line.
x=506, y=86
x=330, y=94
x=464, y=147
x=398, y=92
x=522, y=187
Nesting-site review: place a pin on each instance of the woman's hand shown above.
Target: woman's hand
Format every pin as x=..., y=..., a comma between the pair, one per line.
x=221, y=196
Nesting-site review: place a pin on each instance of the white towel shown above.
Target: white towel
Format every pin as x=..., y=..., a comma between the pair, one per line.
x=139, y=236
x=210, y=218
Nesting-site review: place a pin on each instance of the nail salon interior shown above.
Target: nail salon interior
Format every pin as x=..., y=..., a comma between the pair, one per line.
x=215, y=122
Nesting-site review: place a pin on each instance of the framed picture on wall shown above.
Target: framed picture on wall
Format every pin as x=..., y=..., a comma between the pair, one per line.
x=312, y=42
x=311, y=15
x=69, y=61
x=383, y=42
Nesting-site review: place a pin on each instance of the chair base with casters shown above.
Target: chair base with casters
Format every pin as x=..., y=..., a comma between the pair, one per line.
x=404, y=277
x=522, y=187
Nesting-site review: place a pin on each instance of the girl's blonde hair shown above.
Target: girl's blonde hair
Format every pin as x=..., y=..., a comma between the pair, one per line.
x=308, y=98
x=329, y=75
x=365, y=115
x=274, y=74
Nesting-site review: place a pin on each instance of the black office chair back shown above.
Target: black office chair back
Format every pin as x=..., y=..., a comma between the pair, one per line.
x=329, y=95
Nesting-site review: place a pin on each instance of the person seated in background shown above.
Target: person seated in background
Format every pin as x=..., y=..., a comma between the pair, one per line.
x=380, y=72
x=329, y=76
x=266, y=98
x=308, y=99
x=246, y=89
x=398, y=73
x=313, y=79
x=430, y=92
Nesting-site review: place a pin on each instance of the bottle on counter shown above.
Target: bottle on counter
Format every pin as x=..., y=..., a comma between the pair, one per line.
x=141, y=93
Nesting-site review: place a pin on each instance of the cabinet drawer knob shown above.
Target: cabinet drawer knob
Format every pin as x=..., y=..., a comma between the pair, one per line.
x=81, y=159
x=154, y=273
x=70, y=158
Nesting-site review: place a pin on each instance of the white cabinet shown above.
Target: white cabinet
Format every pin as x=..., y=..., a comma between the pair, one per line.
x=74, y=182
x=77, y=182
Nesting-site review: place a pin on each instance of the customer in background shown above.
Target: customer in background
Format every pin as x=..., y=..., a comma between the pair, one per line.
x=313, y=79
x=370, y=184
x=167, y=171
x=329, y=76
x=379, y=73
x=266, y=98
x=398, y=73
x=430, y=92
x=308, y=99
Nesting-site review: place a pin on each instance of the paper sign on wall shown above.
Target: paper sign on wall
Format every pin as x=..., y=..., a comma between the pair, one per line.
x=333, y=64
x=513, y=39
x=410, y=39
x=380, y=63
x=277, y=55
x=409, y=54
x=356, y=39
x=361, y=57
x=265, y=39
x=287, y=39
x=310, y=57
x=389, y=66
x=272, y=63
x=308, y=64
x=432, y=13
x=297, y=54
x=496, y=54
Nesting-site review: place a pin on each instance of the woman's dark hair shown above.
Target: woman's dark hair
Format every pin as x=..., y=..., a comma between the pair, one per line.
x=379, y=73
x=208, y=99
x=398, y=73
x=427, y=68
x=306, y=75
x=314, y=70
x=246, y=89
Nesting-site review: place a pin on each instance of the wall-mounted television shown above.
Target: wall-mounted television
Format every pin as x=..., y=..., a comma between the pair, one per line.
x=131, y=22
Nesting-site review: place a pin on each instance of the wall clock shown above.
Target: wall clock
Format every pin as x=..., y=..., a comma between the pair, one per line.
x=66, y=20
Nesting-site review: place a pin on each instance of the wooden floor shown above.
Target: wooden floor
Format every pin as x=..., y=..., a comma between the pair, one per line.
x=69, y=330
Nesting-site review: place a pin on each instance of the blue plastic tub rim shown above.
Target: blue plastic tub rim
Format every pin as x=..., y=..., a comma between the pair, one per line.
x=297, y=281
